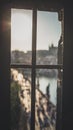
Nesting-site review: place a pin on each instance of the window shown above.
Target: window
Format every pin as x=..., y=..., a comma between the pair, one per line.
x=32, y=63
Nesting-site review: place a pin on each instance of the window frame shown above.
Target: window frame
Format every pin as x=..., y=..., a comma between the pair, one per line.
x=34, y=66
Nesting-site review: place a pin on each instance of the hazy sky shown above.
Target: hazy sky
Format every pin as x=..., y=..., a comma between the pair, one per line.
x=48, y=29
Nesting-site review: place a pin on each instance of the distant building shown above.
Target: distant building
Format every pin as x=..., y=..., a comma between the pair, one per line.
x=53, y=50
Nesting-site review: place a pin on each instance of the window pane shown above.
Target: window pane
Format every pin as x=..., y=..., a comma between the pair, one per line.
x=21, y=36
x=47, y=83
x=48, y=37
x=20, y=99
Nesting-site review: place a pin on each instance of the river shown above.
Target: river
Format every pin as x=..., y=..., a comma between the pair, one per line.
x=44, y=81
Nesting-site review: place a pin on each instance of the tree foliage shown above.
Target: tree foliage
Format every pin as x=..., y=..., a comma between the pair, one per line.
x=15, y=105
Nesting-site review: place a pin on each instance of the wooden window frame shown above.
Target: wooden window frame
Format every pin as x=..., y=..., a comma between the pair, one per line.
x=34, y=66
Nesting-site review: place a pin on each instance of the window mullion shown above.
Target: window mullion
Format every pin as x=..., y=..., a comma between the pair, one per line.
x=49, y=66
x=33, y=68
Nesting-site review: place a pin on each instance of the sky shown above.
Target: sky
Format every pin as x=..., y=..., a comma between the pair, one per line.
x=48, y=29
